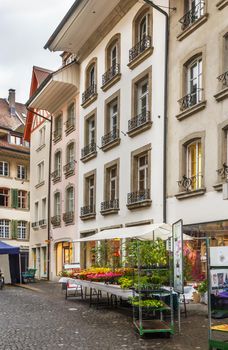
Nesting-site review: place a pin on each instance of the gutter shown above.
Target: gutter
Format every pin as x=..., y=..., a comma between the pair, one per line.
x=156, y=7
x=49, y=189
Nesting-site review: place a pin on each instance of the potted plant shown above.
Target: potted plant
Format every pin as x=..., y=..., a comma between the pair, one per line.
x=202, y=289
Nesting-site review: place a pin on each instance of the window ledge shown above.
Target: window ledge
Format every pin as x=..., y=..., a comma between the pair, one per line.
x=89, y=101
x=218, y=186
x=40, y=147
x=35, y=228
x=141, y=57
x=189, y=194
x=109, y=211
x=88, y=216
x=192, y=27
x=111, y=82
x=69, y=223
x=139, y=129
x=22, y=180
x=221, y=95
x=221, y=4
x=21, y=209
x=43, y=226
x=56, y=226
x=191, y=110
x=141, y=204
x=57, y=139
x=69, y=130
x=57, y=179
x=88, y=157
x=40, y=184
x=69, y=173
x=111, y=144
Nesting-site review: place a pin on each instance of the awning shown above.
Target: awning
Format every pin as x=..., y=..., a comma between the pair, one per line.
x=8, y=249
x=144, y=232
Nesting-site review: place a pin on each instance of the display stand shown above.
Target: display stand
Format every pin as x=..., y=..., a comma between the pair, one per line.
x=149, y=318
x=218, y=297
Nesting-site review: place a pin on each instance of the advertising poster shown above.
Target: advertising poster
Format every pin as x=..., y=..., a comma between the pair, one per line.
x=178, y=256
x=219, y=279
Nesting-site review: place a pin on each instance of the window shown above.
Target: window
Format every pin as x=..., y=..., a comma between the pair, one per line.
x=91, y=192
x=194, y=9
x=40, y=172
x=58, y=128
x=21, y=172
x=44, y=208
x=194, y=164
x=4, y=228
x=42, y=136
x=143, y=28
x=113, y=183
x=70, y=116
x=4, y=197
x=70, y=153
x=21, y=230
x=58, y=162
x=225, y=54
x=57, y=204
x=90, y=93
x=143, y=173
x=22, y=199
x=112, y=63
x=70, y=199
x=194, y=81
x=4, y=168
x=16, y=140
x=142, y=97
x=36, y=211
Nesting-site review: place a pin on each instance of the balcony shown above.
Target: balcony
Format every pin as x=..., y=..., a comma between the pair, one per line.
x=89, y=95
x=35, y=225
x=43, y=222
x=56, y=220
x=190, y=186
x=139, y=123
x=88, y=212
x=191, y=103
x=57, y=135
x=223, y=81
x=68, y=217
x=56, y=176
x=88, y=152
x=138, y=199
x=68, y=169
x=110, y=207
x=110, y=140
x=110, y=77
x=70, y=125
x=193, y=15
x=140, y=52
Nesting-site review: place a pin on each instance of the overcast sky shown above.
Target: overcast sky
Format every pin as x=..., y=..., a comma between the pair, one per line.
x=25, y=26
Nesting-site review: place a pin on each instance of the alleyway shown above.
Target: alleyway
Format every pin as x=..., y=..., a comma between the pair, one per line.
x=42, y=319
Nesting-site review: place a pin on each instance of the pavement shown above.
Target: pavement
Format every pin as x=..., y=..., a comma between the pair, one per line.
x=40, y=318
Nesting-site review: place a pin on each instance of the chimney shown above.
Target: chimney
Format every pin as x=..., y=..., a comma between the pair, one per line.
x=11, y=100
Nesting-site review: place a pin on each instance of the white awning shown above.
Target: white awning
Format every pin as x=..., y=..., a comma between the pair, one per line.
x=144, y=232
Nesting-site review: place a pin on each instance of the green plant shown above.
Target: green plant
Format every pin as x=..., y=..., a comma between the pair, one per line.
x=149, y=303
x=125, y=282
x=202, y=288
x=64, y=273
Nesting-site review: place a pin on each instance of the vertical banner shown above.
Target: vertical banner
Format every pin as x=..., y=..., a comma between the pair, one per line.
x=178, y=256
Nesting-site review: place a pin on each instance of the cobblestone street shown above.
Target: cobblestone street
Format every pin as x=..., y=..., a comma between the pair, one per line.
x=43, y=319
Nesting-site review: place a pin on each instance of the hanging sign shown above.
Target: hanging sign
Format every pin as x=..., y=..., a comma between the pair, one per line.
x=178, y=256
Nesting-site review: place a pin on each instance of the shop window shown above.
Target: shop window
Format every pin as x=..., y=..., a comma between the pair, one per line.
x=4, y=228
x=21, y=172
x=21, y=230
x=4, y=168
x=4, y=197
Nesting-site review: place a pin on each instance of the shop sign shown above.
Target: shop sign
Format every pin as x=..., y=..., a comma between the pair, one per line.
x=178, y=256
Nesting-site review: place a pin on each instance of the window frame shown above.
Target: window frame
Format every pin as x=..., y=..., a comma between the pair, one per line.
x=20, y=172
x=6, y=197
x=4, y=228
x=21, y=230
x=5, y=168
x=22, y=199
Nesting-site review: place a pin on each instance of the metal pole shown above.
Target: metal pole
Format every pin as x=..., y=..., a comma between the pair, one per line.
x=20, y=267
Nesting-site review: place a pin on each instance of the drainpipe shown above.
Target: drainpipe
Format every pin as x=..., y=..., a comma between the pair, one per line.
x=49, y=190
x=156, y=7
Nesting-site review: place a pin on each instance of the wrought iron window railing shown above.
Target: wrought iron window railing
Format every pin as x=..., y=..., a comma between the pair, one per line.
x=69, y=167
x=111, y=204
x=35, y=224
x=137, y=197
x=139, y=120
x=68, y=217
x=57, y=134
x=70, y=123
x=223, y=172
x=190, y=100
x=139, y=48
x=190, y=183
x=91, y=91
x=223, y=79
x=55, y=174
x=87, y=210
x=110, y=137
x=111, y=73
x=89, y=149
x=43, y=222
x=56, y=220
x=192, y=15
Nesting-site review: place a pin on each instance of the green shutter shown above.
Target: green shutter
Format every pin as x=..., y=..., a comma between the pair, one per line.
x=28, y=206
x=14, y=229
x=14, y=198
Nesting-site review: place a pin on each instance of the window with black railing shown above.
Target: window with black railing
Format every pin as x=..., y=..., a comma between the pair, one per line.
x=195, y=10
x=190, y=99
x=56, y=220
x=223, y=172
x=87, y=210
x=223, y=79
x=89, y=93
x=139, y=120
x=112, y=204
x=113, y=71
x=110, y=137
x=68, y=217
x=69, y=167
x=138, y=196
x=88, y=150
x=139, y=48
x=57, y=134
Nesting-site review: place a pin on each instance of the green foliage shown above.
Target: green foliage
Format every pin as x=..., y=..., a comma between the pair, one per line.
x=149, y=303
x=64, y=273
x=125, y=282
x=203, y=287
x=187, y=269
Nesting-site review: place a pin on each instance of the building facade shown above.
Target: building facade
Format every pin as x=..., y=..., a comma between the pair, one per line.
x=14, y=177
x=121, y=52
x=198, y=118
x=58, y=96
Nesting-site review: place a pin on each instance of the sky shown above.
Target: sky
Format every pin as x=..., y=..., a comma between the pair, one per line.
x=25, y=27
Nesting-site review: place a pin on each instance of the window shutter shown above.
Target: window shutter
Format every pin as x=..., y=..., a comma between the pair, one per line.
x=28, y=205
x=14, y=198
x=14, y=229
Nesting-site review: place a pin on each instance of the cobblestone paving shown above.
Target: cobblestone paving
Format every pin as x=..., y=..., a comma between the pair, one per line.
x=42, y=319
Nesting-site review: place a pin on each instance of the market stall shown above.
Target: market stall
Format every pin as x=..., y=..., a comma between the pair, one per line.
x=9, y=262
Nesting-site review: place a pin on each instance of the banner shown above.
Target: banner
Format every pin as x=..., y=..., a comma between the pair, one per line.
x=178, y=256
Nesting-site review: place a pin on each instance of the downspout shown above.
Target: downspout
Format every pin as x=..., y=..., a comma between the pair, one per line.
x=49, y=189
x=156, y=7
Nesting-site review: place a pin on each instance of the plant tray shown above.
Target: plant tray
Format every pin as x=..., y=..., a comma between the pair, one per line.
x=153, y=326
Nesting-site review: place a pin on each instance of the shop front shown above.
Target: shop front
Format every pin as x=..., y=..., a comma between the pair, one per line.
x=64, y=255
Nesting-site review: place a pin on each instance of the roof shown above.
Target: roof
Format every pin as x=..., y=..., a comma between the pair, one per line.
x=9, y=146
x=8, y=121
x=8, y=249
